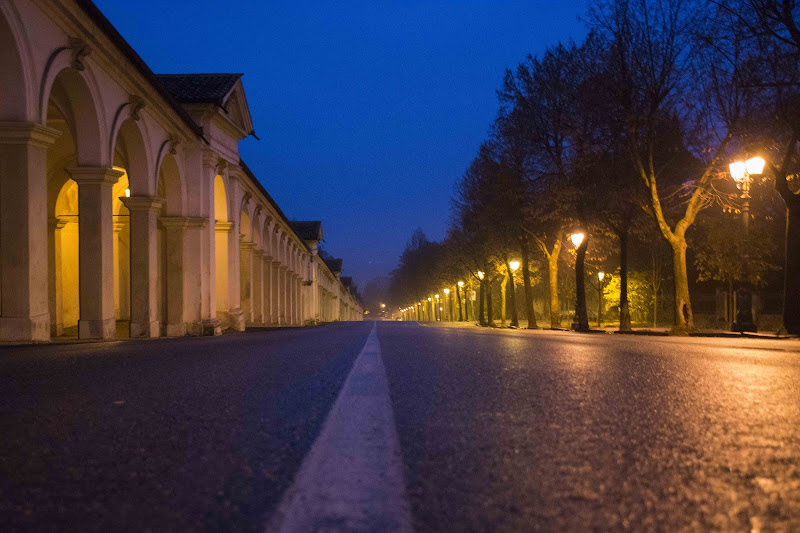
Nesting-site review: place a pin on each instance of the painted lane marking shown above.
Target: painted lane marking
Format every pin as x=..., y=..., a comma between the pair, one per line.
x=352, y=478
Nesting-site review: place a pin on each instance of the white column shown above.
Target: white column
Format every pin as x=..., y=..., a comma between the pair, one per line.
x=258, y=284
x=276, y=292
x=247, y=281
x=175, y=230
x=24, y=309
x=96, y=254
x=266, y=288
x=144, y=265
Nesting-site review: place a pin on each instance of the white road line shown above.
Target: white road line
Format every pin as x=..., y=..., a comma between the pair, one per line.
x=352, y=479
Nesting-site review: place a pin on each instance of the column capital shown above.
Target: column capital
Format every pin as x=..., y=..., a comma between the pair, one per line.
x=94, y=175
x=276, y=262
x=258, y=252
x=27, y=133
x=182, y=222
x=283, y=267
x=247, y=245
x=142, y=203
x=220, y=226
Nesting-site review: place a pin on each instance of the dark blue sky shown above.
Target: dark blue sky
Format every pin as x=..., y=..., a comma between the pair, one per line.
x=368, y=112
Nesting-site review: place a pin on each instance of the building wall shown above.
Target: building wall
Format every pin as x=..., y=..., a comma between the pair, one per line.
x=116, y=215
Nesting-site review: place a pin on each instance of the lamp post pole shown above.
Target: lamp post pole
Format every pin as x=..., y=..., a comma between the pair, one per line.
x=459, y=285
x=580, y=322
x=742, y=172
x=600, y=276
x=512, y=267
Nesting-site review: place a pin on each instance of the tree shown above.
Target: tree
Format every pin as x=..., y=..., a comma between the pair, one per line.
x=663, y=74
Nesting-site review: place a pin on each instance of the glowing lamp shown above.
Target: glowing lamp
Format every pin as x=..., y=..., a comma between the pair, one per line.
x=577, y=239
x=429, y=298
x=755, y=166
x=127, y=193
x=460, y=283
x=437, y=296
x=480, y=274
x=738, y=170
x=601, y=275
x=446, y=291
x=513, y=265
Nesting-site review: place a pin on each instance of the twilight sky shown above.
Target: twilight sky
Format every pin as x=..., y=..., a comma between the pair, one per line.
x=368, y=111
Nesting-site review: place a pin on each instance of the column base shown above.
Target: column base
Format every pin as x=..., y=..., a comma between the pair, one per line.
x=97, y=329
x=35, y=328
x=176, y=330
x=211, y=327
x=744, y=327
x=236, y=319
x=153, y=329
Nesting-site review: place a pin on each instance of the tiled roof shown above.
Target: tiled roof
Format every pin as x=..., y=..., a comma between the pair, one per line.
x=199, y=88
x=334, y=265
x=308, y=230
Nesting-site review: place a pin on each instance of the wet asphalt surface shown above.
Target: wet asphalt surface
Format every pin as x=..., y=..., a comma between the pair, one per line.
x=164, y=435
x=555, y=431
x=499, y=430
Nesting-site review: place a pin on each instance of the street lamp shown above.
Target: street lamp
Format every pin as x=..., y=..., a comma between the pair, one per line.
x=434, y=311
x=513, y=266
x=742, y=172
x=459, y=286
x=481, y=318
x=447, y=303
x=600, y=276
x=580, y=322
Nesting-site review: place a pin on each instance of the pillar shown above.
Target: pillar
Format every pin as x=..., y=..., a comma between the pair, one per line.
x=266, y=288
x=55, y=227
x=283, y=296
x=258, y=284
x=246, y=280
x=96, y=251
x=24, y=307
x=276, y=292
x=175, y=274
x=144, y=264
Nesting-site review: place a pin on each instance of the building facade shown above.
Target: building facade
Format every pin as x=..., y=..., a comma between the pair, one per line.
x=125, y=208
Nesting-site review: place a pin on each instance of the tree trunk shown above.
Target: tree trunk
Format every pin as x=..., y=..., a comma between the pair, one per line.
x=555, y=311
x=624, y=310
x=684, y=321
x=791, y=293
x=581, y=321
x=460, y=308
x=526, y=281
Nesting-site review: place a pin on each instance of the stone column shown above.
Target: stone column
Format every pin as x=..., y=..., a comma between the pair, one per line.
x=175, y=229
x=266, y=288
x=144, y=265
x=246, y=280
x=55, y=226
x=258, y=284
x=194, y=273
x=291, y=304
x=298, y=296
x=24, y=308
x=284, y=296
x=96, y=255
x=276, y=292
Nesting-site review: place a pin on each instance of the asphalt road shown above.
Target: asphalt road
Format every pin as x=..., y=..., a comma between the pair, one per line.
x=498, y=430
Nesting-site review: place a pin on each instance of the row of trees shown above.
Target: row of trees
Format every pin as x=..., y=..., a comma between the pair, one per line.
x=627, y=137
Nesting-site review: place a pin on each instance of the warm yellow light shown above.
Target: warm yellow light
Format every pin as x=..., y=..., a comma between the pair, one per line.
x=437, y=296
x=577, y=238
x=383, y=306
x=755, y=166
x=601, y=275
x=429, y=298
x=460, y=283
x=440, y=308
x=127, y=193
x=513, y=265
x=480, y=274
x=738, y=170
x=447, y=291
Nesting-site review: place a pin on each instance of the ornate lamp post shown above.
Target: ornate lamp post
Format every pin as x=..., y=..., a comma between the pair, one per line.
x=581, y=320
x=447, y=304
x=742, y=172
x=513, y=266
x=481, y=319
x=429, y=308
x=437, y=312
x=600, y=276
x=459, y=286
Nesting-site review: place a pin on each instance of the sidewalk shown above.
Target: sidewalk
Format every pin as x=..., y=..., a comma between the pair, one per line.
x=657, y=332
